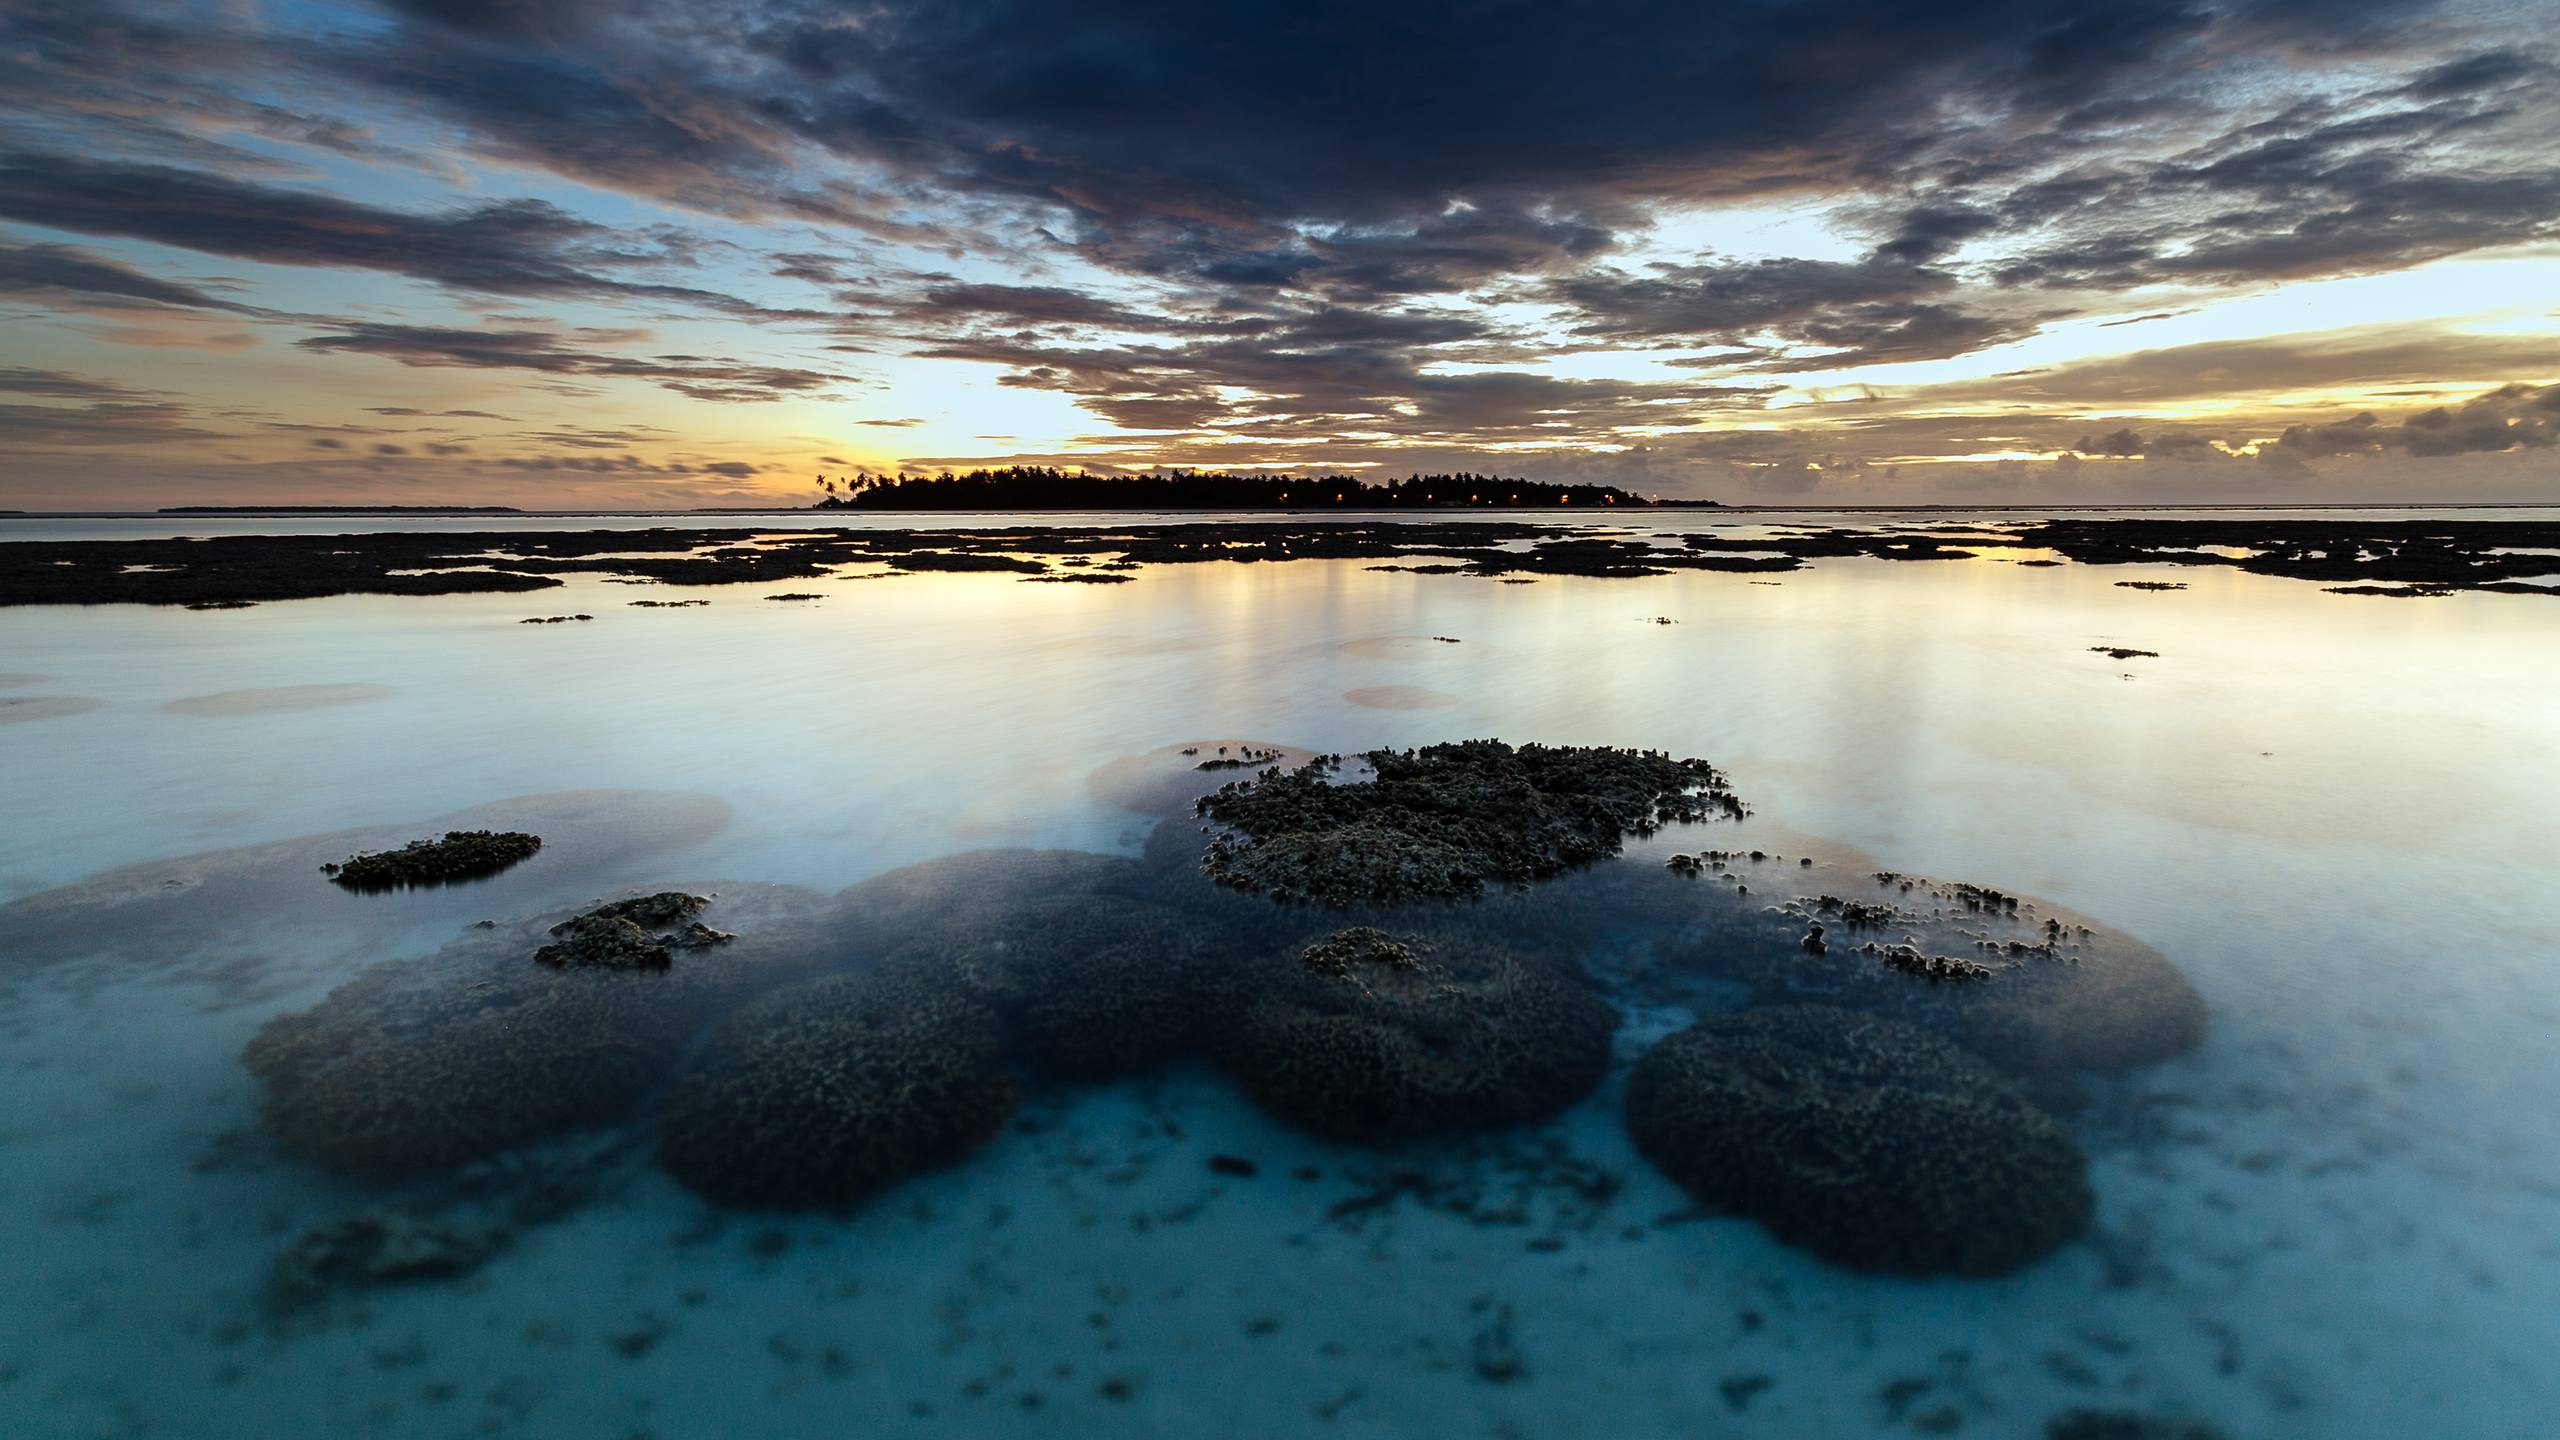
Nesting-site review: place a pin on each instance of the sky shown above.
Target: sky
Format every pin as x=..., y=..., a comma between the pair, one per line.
x=611, y=253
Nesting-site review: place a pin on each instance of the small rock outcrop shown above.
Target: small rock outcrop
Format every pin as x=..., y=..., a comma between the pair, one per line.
x=460, y=855
x=1446, y=822
x=636, y=934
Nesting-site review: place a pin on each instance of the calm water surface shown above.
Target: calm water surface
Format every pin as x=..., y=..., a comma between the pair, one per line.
x=2339, y=816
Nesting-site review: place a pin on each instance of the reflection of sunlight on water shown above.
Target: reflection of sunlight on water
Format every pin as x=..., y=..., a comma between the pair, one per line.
x=2013, y=553
x=846, y=731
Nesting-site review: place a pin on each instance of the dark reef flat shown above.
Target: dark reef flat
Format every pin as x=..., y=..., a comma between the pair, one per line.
x=2386, y=557
x=339, y=510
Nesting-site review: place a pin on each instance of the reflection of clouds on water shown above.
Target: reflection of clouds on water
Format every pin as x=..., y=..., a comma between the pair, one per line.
x=17, y=708
x=1165, y=780
x=1399, y=697
x=280, y=698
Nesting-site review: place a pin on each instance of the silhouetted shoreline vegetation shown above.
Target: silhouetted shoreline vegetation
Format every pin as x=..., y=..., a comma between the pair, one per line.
x=1036, y=487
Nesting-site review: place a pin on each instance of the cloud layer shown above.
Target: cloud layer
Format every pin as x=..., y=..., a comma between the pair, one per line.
x=1777, y=251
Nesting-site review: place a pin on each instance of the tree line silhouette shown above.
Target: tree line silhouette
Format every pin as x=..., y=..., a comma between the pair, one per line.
x=1038, y=487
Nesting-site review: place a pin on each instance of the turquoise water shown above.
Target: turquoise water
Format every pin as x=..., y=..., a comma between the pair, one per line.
x=2334, y=815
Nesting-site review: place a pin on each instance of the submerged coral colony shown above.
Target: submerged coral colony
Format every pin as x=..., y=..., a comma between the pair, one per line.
x=1874, y=1101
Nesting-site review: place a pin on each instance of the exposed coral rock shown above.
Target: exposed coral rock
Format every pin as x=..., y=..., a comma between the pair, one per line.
x=1446, y=821
x=1386, y=1047
x=460, y=855
x=817, y=1096
x=602, y=942
x=619, y=936
x=1337, y=954
x=1877, y=1145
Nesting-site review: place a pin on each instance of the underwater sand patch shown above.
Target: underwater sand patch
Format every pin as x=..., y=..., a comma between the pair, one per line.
x=277, y=699
x=1399, y=697
x=17, y=708
x=13, y=682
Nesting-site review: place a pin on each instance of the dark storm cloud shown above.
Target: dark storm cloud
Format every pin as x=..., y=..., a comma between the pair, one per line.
x=1458, y=250
x=507, y=247
x=2128, y=443
x=2511, y=417
x=61, y=275
x=1284, y=386
x=1224, y=115
x=552, y=353
x=1930, y=231
x=2259, y=372
x=108, y=414
x=1878, y=310
x=2475, y=74
x=1303, y=212
x=2451, y=161
x=23, y=380
x=1328, y=147
x=1023, y=305
x=1447, y=145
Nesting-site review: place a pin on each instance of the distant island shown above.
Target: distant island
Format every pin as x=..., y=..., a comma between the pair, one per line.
x=1032, y=487
x=339, y=510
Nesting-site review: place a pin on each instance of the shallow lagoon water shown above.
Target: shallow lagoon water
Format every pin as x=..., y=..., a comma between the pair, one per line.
x=2335, y=814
